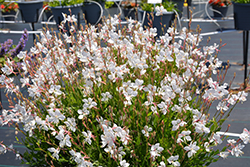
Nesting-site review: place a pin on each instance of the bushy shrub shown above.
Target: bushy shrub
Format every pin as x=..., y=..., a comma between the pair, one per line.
x=112, y=96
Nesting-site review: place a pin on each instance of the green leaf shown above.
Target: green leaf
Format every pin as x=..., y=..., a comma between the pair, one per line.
x=150, y=113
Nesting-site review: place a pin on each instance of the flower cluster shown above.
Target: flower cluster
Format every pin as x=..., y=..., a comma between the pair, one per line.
x=9, y=6
x=220, y=3
x=235, y=147
x=105, y=96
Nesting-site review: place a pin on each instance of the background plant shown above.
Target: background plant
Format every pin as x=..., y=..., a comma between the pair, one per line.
x=46, y=6
x=220, y=3
x=128, y=4
x=168, y=5
x=8, y=6
x=242, y=1
x=117, y=97
x=55, y=3
x=109, y=4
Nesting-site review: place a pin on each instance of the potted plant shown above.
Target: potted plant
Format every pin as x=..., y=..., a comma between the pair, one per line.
x=129, y=9
x=159, y=16
x=93, y=11
x=220, y=7
x=135, y=101
x=47, y=10
x=242, y=14
x=63, y=6
x=111, y=8
x=9, y=8
x=30, y=10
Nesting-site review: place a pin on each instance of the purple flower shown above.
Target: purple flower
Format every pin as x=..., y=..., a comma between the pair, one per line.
x=20, y=46
x=6, y=46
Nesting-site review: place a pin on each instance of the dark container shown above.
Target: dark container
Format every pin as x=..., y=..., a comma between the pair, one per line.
x=30, y=10
x=12, y=14
x=162, y=23
x=241, y=16
x=92, y=12
x=222, y=10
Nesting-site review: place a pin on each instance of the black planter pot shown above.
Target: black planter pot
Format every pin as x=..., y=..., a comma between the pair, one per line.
x=242, y=16
x=222, y=10
x=179, y=6
x=57, y=12
x=129, y=13
x=9, y=18
x=189, y=2
x=30, y=10
x=92, y=12
x=48, y=14
x=162, y=23
x=113, y=11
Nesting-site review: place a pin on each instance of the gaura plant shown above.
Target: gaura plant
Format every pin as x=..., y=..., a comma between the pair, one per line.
x=105, y=96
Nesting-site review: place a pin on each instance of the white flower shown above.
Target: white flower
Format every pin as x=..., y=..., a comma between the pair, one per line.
x=7, y=70
x=3, y=149
x=231, y=141
x=24, y=81
x=224, y=154
x=21, y=54
x=206, y=145
x=110, y=150
x=237, y=150
x=82, y=113
x=160, y=10
x=192, y=148
x=65, y=141
x=200, y=128
x=108, y=137
x=71, y=124
x=18, y=156
x=106, y=96
x=55, y=89
x=146, y=130
x=76, y=156
x=177, y=123
x=56, y=116
x=155, y=150
x=2, y=79
x=123, y=134
x=123, y=163
x=173, y=160
x=88, y=137
x=215, y=138
x=185, y=136
x=162, y=164
x=89, y=103
x=242, y=96
x=222, y=106
x=55, y=152
x=163, y=107
x=245, y=136
x=41, y=122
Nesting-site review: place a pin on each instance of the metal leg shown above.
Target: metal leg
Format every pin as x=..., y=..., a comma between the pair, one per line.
x=78, y=21
x=245, y=52
x=33, y=29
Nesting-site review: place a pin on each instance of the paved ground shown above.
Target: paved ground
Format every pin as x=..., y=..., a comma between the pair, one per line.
x=239, y=118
